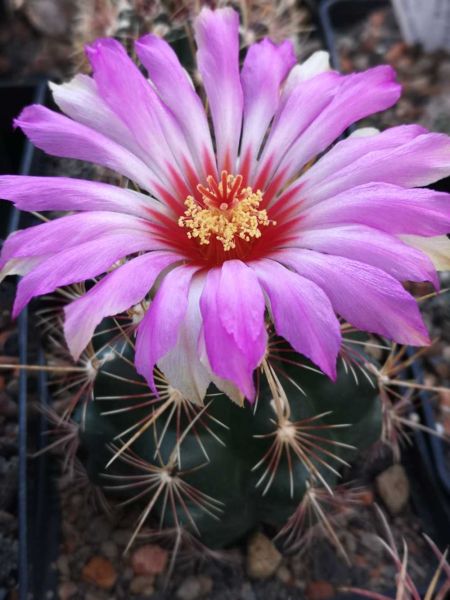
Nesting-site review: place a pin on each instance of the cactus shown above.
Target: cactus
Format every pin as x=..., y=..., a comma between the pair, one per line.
x=220, y=470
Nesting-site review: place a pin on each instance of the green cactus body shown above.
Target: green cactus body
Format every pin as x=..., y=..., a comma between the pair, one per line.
x=235, y=467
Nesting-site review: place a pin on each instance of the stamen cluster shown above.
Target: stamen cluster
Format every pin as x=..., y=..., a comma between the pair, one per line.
x=228, y=211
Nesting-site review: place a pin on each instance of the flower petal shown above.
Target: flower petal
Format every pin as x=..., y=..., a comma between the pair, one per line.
x=64, y=193
x=70, y=231
x=265, y=67
x=372, y=247
x=365, y=296
x=348, y=99
x=217, y=36
x=182, y=365
x=359, y=95
x=302, y=314
x=123, y=287
x=232, y=306
x=173, y=83
x=407, y=156
x=151, y=123
x=80, y=263
x=158, y=331
x=60, y=136
x=386, y=207
x=80, y=100
x=437, y=248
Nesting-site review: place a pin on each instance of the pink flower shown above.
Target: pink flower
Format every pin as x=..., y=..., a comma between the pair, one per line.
x=231, y=222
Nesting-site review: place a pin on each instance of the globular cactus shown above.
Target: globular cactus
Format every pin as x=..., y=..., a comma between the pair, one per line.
x=220, y=470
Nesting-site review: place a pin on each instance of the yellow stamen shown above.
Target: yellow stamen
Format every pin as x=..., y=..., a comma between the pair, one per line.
x=225, y=214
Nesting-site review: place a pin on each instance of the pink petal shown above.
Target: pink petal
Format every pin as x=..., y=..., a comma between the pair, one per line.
x=217, y=36
x=436, y=248
x=404, y=156
x=159, y=329
x=173, y=83
x=80, y=100
x=79, y=263
x=302, y=314
x=365, y=296
x=372, y=247
x=386, y=207
x=152, y=124
x=182, y=364
x=124, y=287
x=265, y=67
x=70, y=231
x=359, y=95
x=59, y=136
x=298, y=109
x=65, y=193
x=232, y=306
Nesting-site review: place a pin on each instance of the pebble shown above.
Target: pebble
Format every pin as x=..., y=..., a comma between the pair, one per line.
x=100, y=571
x=319, y=590
x=284, y=575
x=109, y=549
x=149, y=560
x=121, y=536
x=99, y=529
x=194, y=587
x=66, y=590
x=393, y=487
x=142, y=585
x=63, y=565
x=263, y=559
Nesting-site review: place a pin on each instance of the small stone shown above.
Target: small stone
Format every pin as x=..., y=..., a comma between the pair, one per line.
x=63, y=565
x=319, y=590
x=100, y=572
x=67, y=590
x=109, y=549
x=195, y=587
x=142, y=585
x=393, y=487
x=149, y=560
x=263, y=559
x=99, y=529
x=284, y=575
x=121, y=536
x=396, y=52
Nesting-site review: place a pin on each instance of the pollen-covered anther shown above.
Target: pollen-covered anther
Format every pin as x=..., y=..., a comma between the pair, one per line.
x=228, y=211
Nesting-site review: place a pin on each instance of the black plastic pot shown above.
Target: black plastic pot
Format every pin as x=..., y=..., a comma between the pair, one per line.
x=425, y=460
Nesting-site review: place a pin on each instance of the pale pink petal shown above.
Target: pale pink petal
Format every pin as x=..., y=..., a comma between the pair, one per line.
x=151, y=123
x=60, y=136
x=80, y=100
x=302, y=314
x=373, y=247
x=20, y=266
x=359, y=95
x=159, y=329
x=80, y=263
x=299, y=108
x=182, y=365
x=352, y=97
x=405, y=156
x=265, y=67
x=437, y=248
x=365, y=296
x=70, y=231
x=116, y=292
x=318, y=62
x=172, y=84
x=386, y=207
x=217, y=36
x=64, y=193
x=232, y=306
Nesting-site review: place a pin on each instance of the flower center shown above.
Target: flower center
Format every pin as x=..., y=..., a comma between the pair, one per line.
x=227, y=211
